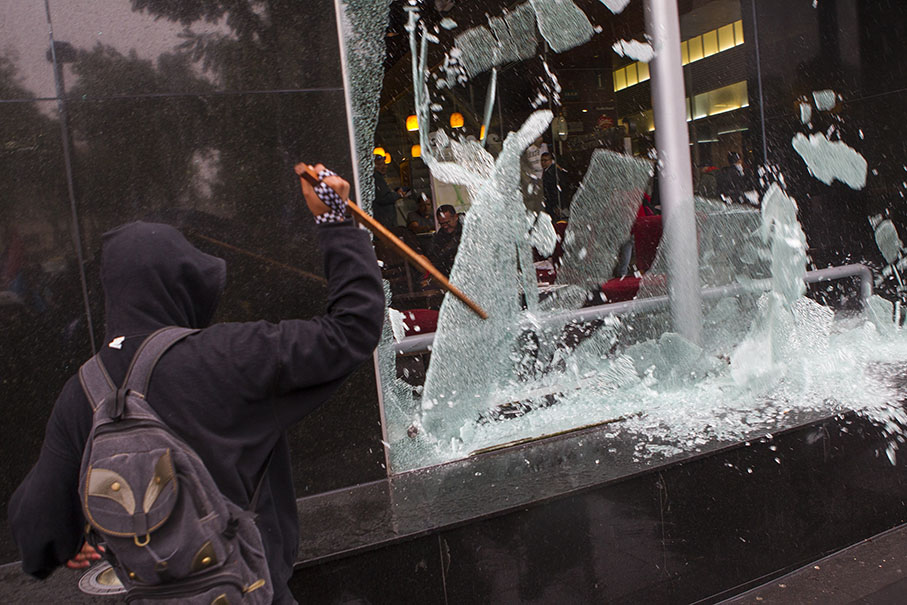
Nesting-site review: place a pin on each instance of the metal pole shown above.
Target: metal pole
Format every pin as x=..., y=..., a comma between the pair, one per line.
x=759, y=79
x=672, y=141
x=68, y=148
x=489, y=105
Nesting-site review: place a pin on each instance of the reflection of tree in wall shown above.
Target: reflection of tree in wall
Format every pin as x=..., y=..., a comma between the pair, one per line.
x=258, y=132
x=133, y=155
x=30, y=139
x=136, y=154
x=262, y=32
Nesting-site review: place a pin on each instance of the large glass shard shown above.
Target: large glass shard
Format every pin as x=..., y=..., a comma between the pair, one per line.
x=602, y=214
x=516, y=34
x=476, y=50
x=510, y=38
x=731, y=249
x=888, y=241
x=782, y=232
x=732, y=254
x=880, y=312
x=782, y=315
x=831, y=160
x=364, y=23
x=472, y=358
x=562, y=24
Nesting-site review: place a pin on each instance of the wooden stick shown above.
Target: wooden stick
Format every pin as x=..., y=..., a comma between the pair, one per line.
x=308, y=173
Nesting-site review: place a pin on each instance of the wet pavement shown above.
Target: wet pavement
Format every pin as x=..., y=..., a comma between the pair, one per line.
x=872, y=572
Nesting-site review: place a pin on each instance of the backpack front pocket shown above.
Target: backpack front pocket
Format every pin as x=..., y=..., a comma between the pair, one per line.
x=131, y=494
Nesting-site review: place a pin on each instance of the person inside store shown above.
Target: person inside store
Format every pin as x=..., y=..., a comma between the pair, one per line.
x=420, y=220
x=554, y=184
x=531, y=175
x=385, y=206
x=446, y=241
x=732, y=180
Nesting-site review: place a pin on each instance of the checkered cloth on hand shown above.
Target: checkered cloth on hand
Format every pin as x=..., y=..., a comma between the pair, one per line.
x=338, y=210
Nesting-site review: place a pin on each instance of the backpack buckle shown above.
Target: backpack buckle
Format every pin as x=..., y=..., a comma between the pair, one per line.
x=120, y=404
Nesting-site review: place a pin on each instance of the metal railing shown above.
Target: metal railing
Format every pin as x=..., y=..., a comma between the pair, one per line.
x=422, y=343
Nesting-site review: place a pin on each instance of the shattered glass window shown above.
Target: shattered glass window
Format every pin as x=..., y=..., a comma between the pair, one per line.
x=521, y=143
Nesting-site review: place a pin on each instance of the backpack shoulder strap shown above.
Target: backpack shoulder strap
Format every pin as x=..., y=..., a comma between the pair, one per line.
x=138, y=376
x=95, y=381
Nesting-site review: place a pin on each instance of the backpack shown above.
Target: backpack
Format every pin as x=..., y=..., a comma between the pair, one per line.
x=168, y=531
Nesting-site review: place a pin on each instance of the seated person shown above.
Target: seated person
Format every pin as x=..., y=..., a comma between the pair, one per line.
x=445, y=242
x=420, y=219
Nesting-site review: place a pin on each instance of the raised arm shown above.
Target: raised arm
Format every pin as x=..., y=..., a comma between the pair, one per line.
x=297, y=354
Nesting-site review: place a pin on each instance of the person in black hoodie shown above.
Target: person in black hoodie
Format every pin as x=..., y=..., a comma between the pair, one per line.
x=231, y=390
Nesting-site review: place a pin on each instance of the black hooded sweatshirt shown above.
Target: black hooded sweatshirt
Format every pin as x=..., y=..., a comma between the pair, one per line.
x=230, y=391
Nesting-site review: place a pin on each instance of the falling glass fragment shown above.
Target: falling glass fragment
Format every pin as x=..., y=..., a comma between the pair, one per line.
x=562, y=24
x=506, y=39
x=616, y=6
x=831, y=160
x=806, y=113
x=634, y=49
x=886, y=236
x=825, y=99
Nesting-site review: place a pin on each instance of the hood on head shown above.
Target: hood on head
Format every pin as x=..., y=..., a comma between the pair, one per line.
x=153, y=277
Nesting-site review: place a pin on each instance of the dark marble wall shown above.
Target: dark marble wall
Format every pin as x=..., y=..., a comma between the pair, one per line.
x=191, y=113
x=698, y=531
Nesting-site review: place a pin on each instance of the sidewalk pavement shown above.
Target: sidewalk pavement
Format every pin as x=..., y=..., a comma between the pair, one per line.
x=872, y=572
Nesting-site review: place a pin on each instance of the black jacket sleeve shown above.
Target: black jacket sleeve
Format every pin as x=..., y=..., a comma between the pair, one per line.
x=292, y=355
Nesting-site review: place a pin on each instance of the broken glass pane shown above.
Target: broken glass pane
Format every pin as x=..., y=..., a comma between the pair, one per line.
x=602, y=214
x=363, y=24
x=559, y=355
x=562, y=24
x=510, y=38
x=471, y=357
